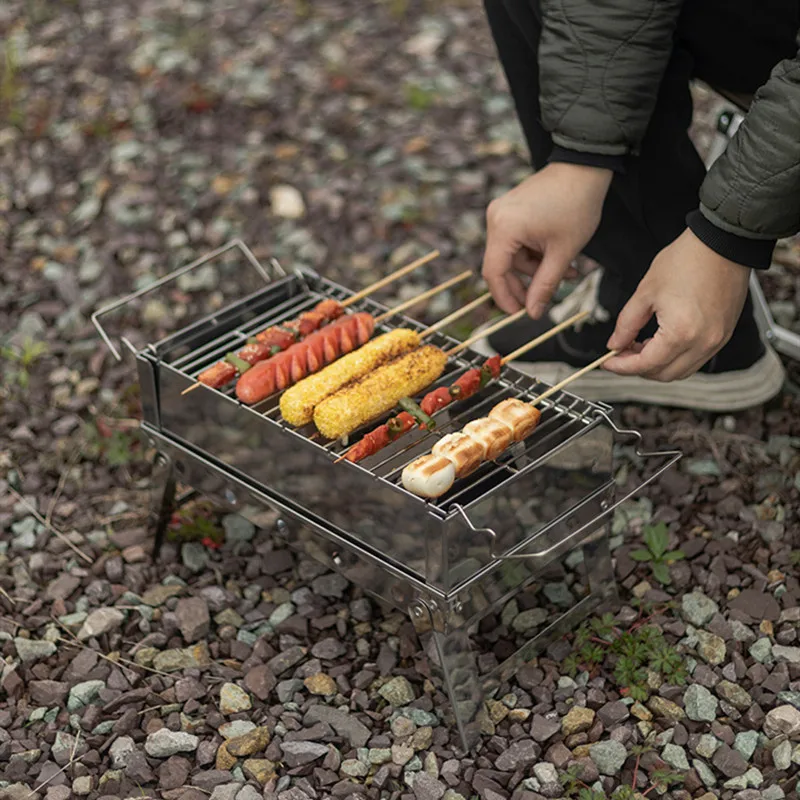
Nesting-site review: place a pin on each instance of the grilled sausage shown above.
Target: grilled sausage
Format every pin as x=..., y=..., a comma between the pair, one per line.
x=378, y=392
x=302, y=358
x=374, y=441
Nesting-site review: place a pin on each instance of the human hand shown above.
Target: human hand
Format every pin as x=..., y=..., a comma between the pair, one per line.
x=537, y=229
x=697, y=297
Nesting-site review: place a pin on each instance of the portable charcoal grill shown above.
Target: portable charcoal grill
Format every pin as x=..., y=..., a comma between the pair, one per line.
x=512, y=557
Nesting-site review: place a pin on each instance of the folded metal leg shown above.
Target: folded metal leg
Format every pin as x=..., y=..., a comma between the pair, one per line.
x=163, y=502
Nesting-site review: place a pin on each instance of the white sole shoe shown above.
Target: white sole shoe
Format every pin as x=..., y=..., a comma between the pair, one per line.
x=721, y=392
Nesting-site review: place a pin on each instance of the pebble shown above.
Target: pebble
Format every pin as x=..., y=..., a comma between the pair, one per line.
x=520, y=755
x=121, y=750
x=705, y=772
x=397, y=692
x=164, y=743
x=761, y=650
x=783, y=654
x=175, y=659
x=729, y=762
x=29, y=650
x=247, y=744
x=354, y=768
x=233, y=699
x=238, y=528
x=529, y=619
x=782, y=755
x=577, y=720
x=81, y=694
x=710, y=647
x=100, y=621
x=194, y=620
x=608, y=756
x=734, y=694
x=782, y=720
x=697, y=609
x=287, y=202
x=745, y=744
x=700, y=704
x=662, y=707
x=675, y=756
x=295, y=754
x=320, y=684
x=194, y=556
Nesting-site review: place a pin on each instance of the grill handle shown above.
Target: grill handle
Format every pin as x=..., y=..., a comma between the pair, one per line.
x=127, y=299
x=670, y=457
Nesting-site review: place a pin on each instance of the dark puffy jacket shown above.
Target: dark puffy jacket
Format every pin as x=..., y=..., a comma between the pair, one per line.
x=601, y=63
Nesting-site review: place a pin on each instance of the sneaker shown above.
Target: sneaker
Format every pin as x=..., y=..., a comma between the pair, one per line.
x=747, y=372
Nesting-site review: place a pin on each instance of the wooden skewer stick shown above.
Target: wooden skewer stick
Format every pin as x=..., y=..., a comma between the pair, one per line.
x=545, y=336
x=486, y=332
x=389, y=278
x=575, y=375
x=443, y=323
x=424, y=296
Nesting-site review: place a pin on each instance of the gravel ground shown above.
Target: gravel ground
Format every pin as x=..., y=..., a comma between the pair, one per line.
x=135, y=137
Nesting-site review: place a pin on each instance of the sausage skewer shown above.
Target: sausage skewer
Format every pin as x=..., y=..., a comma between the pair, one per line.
x=468, y=384
x=280, y=337
x=453, y=456
x=330, y=344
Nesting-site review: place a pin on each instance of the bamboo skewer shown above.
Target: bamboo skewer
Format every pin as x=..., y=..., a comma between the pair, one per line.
x=575, y=375
x=544, y=337
x=398, y=273
x=443, y=323
x=486, y=332
x=424, y=296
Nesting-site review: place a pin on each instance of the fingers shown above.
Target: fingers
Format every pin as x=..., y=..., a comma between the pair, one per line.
x=545, y=282
x=505, y=286
x=633, y=317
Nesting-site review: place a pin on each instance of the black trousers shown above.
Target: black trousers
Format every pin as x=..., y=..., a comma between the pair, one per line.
x=730, y=44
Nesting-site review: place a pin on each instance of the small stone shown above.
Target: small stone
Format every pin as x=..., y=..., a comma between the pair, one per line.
x=100, y=621
x=700, y=704
x=783, y=654
x=225, y=759
x=697, y=609
x=329, y=649
x=729, y=762
x=380, y=755
x=397, y=692
x=783, y=720
x=782, y=755
x=194, y=557
x=577, y=720
x=675, y=756
x=613, y=714
x=82, y=785
x=252, y=742
x=295, y=754
x=734, y=694
x=426, y=787
x=662, y=707
x=287, y=202
x=30, y=650
x=260, y=770
x=608, y=756
x=354, y=768
x=194, y=657
x=705, y=772
x=260, y=681
x=773, y=792
x=158, y=595
x=83, y=693
x=121, y=751
x=761, y=650
x=238, y=528
x=233, y=699
x=321, y=684
x=529, y=619
x=402, y=754
x=710, y=648
x=164, y=743
x=745, y=744
x=707, y=745
x=194, y=620
x=520, y=755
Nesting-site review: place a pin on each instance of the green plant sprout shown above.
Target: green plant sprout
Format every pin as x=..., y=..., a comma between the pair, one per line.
x=656, y=539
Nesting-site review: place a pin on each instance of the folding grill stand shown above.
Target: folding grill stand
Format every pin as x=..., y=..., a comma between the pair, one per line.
x=446, y=619
x=782, y=340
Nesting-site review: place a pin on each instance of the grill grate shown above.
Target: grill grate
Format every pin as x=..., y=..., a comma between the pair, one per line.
x=563, y=415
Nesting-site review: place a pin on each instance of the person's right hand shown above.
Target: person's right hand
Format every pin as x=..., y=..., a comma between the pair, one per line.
x=537, y=229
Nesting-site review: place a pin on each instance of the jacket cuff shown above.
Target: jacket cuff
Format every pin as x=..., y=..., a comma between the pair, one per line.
x=566, y=156
x=754, y=253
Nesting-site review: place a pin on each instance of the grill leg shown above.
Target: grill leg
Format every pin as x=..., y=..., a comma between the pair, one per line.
x=599, y=568
x=456, y=659
x=162, y=503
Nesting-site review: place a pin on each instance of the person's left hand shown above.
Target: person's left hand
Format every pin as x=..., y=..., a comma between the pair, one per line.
x=697, y=297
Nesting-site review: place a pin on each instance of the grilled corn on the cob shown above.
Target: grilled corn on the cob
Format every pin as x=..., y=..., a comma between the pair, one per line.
x=378, y=392
x=298, y=402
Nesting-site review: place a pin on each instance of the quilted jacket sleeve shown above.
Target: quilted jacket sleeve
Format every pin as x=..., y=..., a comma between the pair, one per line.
x=601, y=63
x=752, y=190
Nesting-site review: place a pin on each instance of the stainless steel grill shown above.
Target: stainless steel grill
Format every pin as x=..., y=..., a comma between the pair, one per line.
x=543, y=504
